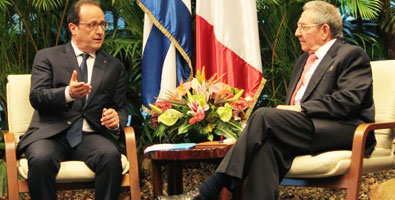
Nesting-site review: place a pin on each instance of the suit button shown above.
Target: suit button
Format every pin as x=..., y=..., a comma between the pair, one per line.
x=69, y=122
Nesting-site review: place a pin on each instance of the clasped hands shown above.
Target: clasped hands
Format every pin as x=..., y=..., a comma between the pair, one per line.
x=78, y=90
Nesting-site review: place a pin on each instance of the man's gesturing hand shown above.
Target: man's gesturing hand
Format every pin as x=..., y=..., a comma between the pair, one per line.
x=77, y=89
x=109, y=118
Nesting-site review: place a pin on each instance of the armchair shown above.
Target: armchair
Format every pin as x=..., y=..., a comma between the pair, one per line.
x=72, y=174
x=343, y=169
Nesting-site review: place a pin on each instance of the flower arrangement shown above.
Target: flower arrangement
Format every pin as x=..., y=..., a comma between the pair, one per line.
x=207, y=107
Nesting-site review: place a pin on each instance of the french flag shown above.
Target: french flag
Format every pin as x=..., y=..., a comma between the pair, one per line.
x=227, y=43
x=166, y=47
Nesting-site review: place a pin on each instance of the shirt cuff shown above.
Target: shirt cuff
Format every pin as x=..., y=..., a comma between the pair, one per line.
x=114, y=130
x=67, y=95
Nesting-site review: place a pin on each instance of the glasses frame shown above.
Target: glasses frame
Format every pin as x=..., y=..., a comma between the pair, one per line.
x=306, y=27
x=93, y=25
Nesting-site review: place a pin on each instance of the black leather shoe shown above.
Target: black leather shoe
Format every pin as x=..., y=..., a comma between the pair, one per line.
x=191, y=195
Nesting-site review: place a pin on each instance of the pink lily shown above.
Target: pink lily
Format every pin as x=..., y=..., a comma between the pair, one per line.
x=198, y=116
x=197, y=110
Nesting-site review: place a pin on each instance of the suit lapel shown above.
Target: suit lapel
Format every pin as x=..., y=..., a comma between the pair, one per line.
x=71, y=60
x=97, y=74
x=325, y=63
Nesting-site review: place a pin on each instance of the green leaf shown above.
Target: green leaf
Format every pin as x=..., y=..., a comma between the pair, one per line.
x=223, y=129
x=47, y=4
x=235, y=126
x=202, y=99
x=225, y=112
x=147, y=132
x=367, y=9
x=237, y=95
x=210, y=137
x=169, y=117
x=4, y=4
x=156, y=109
x=175, y=112
x=184, y=128
x=209, y=128
x=160, y=131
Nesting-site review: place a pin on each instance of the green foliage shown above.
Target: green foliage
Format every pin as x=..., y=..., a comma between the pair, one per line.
x=387, y=22
x=279, y=48
x=47, y=4
x=4, y=4
x=25, y=29
x=125, y=43
x=3, y=177
x=366, y=9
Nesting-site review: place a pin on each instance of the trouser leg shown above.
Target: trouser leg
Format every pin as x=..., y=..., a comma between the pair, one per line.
x=44, y=157
x=266, y=170
x=103, y=157
x=292, y=130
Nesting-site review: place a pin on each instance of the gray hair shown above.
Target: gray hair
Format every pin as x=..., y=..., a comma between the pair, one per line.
x=326, y=13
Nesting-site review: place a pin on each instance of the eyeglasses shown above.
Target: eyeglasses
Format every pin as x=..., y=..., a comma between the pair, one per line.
x=93, y=26
x=306, y=27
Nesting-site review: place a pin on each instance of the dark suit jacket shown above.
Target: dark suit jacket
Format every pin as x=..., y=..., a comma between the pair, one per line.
x=338, y=97
x=51, y=73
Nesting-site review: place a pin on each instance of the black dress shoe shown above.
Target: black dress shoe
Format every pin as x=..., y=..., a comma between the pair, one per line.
x=191, y=195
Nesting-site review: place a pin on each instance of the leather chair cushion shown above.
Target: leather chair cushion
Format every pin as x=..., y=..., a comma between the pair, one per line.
x=334, y=163
x=71, y=171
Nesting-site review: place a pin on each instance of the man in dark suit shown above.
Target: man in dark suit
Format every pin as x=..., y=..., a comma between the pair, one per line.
x=79, y=93
x=330, y=95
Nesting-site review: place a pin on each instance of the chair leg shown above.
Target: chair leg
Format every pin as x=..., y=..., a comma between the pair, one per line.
x=13, y=192
x=11, y=169
x=131, y=152
x=353, y=190
x=12, y=184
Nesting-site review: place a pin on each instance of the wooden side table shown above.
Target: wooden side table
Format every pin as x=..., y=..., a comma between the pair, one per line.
x=174, y=159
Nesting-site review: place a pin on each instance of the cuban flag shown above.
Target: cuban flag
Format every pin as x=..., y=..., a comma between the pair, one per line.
x=166, y=47
x=227, y=43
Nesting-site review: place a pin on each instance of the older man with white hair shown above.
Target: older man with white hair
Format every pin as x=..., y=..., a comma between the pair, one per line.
x=330, y=94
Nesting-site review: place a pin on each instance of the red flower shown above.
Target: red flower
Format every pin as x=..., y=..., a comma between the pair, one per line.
x=240, y=104
x=163, y=105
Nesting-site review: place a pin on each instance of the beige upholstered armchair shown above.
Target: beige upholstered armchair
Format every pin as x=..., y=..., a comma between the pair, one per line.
x=342, y=169
x=72, y=174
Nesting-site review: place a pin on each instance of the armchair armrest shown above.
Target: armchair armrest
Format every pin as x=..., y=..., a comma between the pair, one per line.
x=10, y=157
x=131, y=153
x=358, y=148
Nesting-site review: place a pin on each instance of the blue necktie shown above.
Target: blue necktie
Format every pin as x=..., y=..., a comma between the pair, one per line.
x=74, y=133
x=83, y=67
